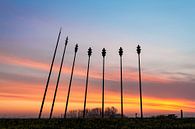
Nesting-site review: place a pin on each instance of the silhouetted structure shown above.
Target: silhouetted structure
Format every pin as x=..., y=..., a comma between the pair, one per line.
x=89, y=54
x=75, y=52
x=56, y=89
x=181, y=114
x=50, y=71
x=135, y=115
x=140, y=83
x=103, y=55
x=121, y=74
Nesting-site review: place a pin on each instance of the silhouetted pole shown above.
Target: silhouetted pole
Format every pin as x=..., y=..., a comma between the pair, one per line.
x=140, y=83
x=103, y=55
x=75, y=52
x=89, y=54
x=48, y=79
x=54, y=98
x=121, y=72
x=135, y=115
x=181, y=114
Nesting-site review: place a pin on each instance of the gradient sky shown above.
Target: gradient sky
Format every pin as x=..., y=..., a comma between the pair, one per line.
x=165, y=30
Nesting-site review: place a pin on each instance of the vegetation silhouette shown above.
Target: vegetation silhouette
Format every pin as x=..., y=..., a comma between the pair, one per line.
x=162, y=122
x=110, y=112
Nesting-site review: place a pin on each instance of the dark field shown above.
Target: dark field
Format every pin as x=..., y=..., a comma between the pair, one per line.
x=146, y=123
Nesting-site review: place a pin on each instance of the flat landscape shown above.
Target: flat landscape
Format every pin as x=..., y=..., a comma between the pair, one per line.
x=131, y=123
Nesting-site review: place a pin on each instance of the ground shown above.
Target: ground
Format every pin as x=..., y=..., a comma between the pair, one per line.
x=147, y=123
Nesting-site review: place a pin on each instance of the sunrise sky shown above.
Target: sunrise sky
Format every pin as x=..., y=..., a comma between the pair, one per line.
x=165, y=30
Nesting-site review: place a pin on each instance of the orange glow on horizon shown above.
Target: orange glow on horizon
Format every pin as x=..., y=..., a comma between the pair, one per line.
x=29, y=102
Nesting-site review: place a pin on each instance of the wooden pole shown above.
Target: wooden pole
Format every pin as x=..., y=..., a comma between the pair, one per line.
x=54, y=98
x=50, y=71
x=76, y=49
x=103, y=55
x=89, y=54
x=140, y=82
x=121, y=75
x=181, y=114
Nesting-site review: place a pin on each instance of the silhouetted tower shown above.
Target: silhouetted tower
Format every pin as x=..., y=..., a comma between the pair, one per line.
x=140, y=83
x=135, y=115
x=75, y=52
x=56, y=89
x=121, y=74
x=103, y=55
x=181, y=114
x=50, y=71
x=89, y=54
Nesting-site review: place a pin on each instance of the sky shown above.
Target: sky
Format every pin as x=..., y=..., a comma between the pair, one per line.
x=164, y=29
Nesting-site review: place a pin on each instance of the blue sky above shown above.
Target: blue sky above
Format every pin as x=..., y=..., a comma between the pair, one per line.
x=163, y=28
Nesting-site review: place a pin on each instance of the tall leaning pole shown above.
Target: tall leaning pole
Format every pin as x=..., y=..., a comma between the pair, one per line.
x=103, y=55
x=121, y=75
x=50, y=71
x=56, y=89
x=89, y=54
x=140, y=82
x=75, y=52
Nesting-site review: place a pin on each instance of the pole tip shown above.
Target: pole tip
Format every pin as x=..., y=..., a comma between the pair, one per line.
x=103, y=52
x=76, y=48
x=138, y=49
x=120, y=51
x=89, y=51
x=66, y=41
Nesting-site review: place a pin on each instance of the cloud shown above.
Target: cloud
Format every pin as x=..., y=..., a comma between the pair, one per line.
x=159, y=92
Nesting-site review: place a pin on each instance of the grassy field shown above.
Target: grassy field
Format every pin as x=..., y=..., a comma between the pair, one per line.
x=97, y=124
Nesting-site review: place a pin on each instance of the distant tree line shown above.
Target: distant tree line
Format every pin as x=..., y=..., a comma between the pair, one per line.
x=169, y=116
x=110, y=112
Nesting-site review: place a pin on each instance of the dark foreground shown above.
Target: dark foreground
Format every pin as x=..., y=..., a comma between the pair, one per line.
x=97, y=124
